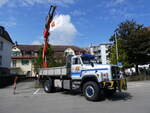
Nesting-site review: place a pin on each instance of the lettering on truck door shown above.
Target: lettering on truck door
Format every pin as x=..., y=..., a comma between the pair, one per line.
x=76, y=68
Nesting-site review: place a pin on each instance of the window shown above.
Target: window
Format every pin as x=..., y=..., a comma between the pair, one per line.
x=33, y=61
x=25, y=62
x=14, y=63
x=99, y=51
x=1, y=45
x=76, y=61
x=35, y=54
x=107, y=51
x=16, y=53
x=90, y=61
x=0, y=60
x=69, y=53
x=28, y=53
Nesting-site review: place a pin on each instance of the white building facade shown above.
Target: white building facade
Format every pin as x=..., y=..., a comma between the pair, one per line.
x=23, y=59
x=5, y=52
x=101, y=52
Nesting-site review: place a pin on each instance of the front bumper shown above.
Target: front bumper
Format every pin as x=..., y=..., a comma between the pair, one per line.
x=120, y=84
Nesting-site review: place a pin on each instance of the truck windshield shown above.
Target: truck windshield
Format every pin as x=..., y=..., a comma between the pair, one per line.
x=115, y=72
x=88, y=60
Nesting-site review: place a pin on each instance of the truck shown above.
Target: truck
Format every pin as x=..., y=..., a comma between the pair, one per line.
x=84, y=73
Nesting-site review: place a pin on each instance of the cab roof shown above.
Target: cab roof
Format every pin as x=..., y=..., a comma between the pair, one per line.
x=89, y=56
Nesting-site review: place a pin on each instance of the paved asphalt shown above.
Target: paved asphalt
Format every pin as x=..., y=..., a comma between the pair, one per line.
x=29, y=100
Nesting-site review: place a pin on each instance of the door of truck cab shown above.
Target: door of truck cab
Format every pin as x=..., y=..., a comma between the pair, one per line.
x=76, y=67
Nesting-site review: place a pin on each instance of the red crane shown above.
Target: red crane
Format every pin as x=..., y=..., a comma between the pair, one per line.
x=49, y=20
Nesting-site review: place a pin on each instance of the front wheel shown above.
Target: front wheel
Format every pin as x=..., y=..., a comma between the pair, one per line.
x=92, y=91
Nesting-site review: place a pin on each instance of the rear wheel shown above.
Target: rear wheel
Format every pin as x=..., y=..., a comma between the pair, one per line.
x=92, y=91
x=48, y=86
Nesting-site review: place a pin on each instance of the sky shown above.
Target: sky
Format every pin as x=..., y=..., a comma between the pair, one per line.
x=77, y=22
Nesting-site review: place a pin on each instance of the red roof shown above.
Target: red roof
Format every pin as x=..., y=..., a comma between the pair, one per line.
x=29, y=47
x=56, y=48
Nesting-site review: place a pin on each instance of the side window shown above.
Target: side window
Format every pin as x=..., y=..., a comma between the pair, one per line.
x=14, y=63
x=25, y=62
x=76, y=61
x=1, y=45
x=16, y=53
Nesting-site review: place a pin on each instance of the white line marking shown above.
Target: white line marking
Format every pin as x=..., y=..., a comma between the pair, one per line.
x=41, y=93
x=36, y=91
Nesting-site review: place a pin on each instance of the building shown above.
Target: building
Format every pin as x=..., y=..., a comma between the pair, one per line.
x=23, y=59
x=100, y=52
x=5, y=52
x=23, y=56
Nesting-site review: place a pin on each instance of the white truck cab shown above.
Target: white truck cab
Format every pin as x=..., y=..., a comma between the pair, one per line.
x=84, y=73
x=85, y=65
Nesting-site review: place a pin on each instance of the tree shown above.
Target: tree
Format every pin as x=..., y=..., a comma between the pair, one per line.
x=134, y=41
x=122, y=55
x=51, y=60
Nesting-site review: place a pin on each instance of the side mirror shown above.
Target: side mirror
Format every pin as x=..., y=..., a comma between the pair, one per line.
x=92, y=64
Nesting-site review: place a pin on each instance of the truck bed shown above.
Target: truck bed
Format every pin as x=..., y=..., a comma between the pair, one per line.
x=54, y=71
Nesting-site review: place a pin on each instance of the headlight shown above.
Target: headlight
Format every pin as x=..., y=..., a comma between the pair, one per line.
x=104, y=76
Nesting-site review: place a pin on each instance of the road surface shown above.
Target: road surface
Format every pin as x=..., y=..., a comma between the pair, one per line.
x=30, y=100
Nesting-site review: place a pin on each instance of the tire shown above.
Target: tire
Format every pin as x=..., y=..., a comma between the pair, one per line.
x=48, y=86
x=92, y=91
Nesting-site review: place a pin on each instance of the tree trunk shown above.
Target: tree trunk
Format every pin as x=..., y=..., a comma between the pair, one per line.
x=136, y=69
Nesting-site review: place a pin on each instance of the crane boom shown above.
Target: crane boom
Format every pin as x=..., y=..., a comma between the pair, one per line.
x=46, y=34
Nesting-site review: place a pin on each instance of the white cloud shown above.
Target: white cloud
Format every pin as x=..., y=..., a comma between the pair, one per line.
x=33, y=2
x=62, y=2
x=8, y=23
x=3, y=2
x=78, y=13
x=114, y=3
x=64, y=31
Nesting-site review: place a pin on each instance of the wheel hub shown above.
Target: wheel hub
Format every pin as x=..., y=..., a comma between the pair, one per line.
x=89, y=91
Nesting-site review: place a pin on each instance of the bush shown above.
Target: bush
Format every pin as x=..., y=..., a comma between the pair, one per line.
x=138, y=78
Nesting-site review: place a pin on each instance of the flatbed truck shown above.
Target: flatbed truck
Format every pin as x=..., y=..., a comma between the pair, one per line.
x=84, y=73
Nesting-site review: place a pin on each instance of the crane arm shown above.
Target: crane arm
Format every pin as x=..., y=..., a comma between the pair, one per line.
x=46, y=34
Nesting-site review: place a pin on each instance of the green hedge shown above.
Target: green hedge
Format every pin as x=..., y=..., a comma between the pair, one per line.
x=138, y=78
